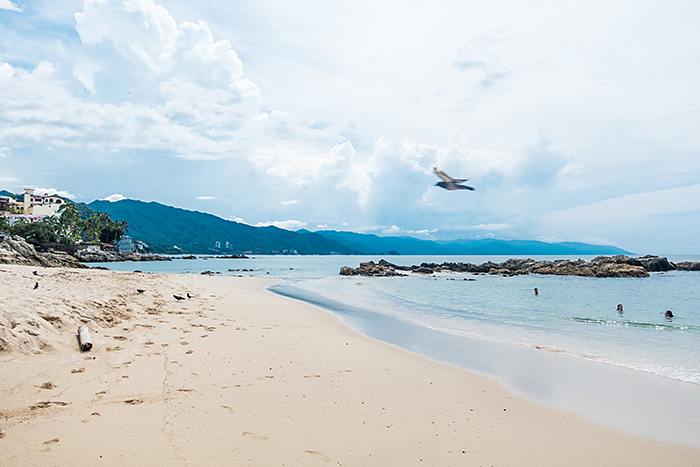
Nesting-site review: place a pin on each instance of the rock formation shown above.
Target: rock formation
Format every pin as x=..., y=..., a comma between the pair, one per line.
x=101, y=256
x=14, y=250
x=601, y=266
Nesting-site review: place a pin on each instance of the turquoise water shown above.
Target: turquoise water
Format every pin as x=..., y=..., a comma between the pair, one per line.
x=571, y=315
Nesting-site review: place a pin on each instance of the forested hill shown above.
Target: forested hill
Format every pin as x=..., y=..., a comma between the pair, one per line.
x=167, y=229
x=370, y=244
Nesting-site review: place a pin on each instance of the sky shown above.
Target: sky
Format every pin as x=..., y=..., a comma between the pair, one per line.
x=574, y=121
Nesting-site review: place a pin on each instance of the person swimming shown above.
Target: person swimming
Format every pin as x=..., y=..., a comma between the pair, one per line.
x=668, y=314
x=537, y=292
x=620, y=310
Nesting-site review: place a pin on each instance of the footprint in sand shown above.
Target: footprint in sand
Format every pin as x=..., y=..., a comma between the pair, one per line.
x=319, y=456
x=48, y=385
x=47, y=404
x=250, y=435
x=78, y=370
x=312, y=376
x=228, y=408
x=133, y=401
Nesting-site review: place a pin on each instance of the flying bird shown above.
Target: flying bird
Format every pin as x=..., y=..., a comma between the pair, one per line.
x=450, y=183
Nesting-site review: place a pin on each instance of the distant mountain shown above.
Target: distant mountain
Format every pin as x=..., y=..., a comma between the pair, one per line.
x=167, y=229
x=370, y=244
x=10, y=194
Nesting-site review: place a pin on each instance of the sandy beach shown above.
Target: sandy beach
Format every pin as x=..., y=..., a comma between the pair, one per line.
x=236, y=375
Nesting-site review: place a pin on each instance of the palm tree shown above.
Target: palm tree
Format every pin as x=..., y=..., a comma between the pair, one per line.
x=70, y=218
x=95, y=225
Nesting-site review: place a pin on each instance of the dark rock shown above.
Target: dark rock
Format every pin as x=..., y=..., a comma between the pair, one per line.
x=655, y=264
x=601, y=266
x=688, y=266
x=383, y=269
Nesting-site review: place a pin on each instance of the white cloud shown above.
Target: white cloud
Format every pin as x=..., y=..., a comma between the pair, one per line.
x=287, y=225
x=636, y=208
x=395, y=230
x=8, y=5
x=115, y=197
x=490, y=226
x=53, y=191
x=289, y=202
x=206, y=198
x=8, y=179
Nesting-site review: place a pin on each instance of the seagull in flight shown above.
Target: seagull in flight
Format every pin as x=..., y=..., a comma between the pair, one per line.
x=450, y=183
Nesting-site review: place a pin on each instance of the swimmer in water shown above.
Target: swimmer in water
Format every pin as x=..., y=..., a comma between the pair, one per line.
x=668, y=314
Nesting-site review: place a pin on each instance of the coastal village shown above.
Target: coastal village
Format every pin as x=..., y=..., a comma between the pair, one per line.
x=52, y=231
x=43, y=214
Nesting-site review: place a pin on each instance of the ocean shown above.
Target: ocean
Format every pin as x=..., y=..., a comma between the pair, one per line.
x=547, y=347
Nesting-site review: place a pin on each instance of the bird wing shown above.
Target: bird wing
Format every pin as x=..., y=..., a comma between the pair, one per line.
x=443, y=175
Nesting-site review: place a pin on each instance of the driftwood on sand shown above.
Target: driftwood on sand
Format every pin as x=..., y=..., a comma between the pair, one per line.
x=84, y=338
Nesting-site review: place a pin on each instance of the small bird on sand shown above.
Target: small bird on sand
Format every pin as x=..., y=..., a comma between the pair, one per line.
x=35, y=273
x=36, y=286
x=140, y=290
x=450, y=183
x=178, y=298
x=188, y=295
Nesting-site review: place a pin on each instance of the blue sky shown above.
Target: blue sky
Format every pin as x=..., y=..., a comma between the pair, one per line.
x=575, y=121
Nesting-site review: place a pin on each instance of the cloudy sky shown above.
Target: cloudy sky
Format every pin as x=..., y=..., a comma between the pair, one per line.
x=573, y=120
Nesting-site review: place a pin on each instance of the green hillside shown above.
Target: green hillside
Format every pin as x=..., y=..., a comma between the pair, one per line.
x=173, y=230
x=168, y=229
x=376, y=245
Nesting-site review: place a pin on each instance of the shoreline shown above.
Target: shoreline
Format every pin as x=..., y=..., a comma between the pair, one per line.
x=602, y=392
x=238, y=375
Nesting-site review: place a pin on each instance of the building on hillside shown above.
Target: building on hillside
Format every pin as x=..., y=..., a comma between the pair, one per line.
x=46, y=205
x=32, y=208
x=125, y=244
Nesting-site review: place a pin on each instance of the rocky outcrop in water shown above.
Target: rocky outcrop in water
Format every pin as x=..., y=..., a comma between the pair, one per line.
x=101, y=256
x=14, y=250
x=688, y=266
x=381, y=269
x=601, y=266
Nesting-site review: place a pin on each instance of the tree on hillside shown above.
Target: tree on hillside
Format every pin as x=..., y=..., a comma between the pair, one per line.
x=4, y=224
x=70, y=216
x=93, y=226
x=100, y=227
x=113, y=231
x=36, y=233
